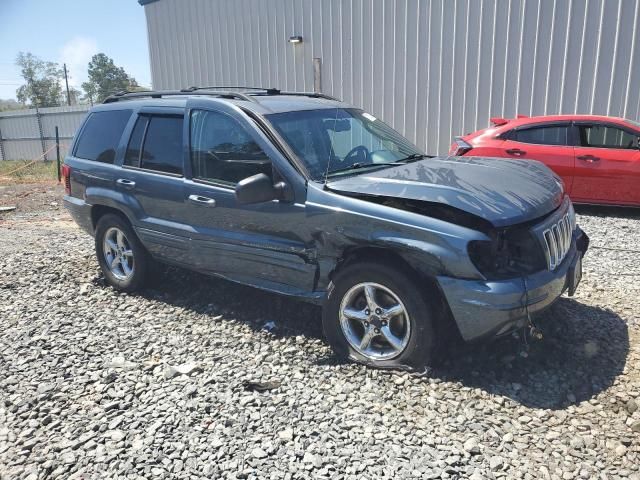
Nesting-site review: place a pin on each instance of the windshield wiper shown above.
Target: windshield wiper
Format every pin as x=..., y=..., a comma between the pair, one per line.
x=357, y=165
x=409, y=158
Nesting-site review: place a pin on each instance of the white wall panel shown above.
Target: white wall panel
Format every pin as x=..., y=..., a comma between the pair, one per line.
x=20, y=137
x=431, y=68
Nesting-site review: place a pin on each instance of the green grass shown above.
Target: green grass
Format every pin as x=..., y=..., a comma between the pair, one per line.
x=37, y=172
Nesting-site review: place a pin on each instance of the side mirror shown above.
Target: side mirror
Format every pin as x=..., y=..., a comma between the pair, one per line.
x=257, y=189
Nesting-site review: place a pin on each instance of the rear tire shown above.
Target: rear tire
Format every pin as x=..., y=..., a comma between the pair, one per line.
x=375, y=315
x=123, y=260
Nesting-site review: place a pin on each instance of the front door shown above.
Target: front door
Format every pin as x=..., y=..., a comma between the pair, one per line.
x=607, y=165
x=547, y=143
x=265, y=244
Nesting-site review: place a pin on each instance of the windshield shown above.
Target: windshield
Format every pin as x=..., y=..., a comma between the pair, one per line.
x=635, y=124
x=336, y=141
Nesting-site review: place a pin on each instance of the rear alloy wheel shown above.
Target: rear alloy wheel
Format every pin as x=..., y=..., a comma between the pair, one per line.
x=123, y=260
x=375, y=315
x=118, y=254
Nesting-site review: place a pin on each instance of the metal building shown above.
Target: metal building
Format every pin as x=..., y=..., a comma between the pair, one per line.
x=430, y=68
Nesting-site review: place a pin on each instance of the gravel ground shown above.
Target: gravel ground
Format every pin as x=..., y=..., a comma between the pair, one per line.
x=200, y=378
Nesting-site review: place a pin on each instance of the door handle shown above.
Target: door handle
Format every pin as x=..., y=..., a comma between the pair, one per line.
x=515, y=151
x=588, y=158
x=200, y=200
x=126, y=183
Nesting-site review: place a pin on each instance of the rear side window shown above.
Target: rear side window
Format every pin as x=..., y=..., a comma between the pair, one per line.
x=606, y=137
x=156, y=144
x=552, y=135
x=222, y=151
x=101, y=134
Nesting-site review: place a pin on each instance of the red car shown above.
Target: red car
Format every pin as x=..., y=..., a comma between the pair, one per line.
x=597, y=157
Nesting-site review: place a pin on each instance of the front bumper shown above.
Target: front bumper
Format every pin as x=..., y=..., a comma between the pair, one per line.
x=491, y=308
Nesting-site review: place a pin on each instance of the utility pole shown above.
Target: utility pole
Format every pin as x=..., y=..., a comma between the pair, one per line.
x=66, y=81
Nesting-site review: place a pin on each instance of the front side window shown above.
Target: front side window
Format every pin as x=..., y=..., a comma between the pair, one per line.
x=333, y=139
x=161, y=146
x=601, y=136
x=222, y=151
x=101, y=134
x=552, y=135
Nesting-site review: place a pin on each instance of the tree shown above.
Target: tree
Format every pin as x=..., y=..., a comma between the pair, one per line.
x=10, y=104
x=105, y=78
x=90, y=92
x=74, y=95
x=43, y=81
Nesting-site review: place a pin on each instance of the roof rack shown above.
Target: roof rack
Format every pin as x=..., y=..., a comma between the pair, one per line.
x=215, y=91
x=126, y=95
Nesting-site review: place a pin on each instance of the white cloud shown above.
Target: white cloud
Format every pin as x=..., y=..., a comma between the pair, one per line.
x=77, y=53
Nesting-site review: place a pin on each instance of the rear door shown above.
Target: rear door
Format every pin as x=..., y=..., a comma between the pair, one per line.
x=152, y=173
x=549, y=143
x=607, y=164
x=266, y=244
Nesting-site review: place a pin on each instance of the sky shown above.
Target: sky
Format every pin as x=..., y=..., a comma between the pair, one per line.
x=71, y=31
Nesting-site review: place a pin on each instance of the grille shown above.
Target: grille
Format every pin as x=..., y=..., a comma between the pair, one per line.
x=557, y=241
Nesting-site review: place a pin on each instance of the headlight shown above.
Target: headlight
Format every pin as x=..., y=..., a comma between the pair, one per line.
x=510, y=254
x=572, y=217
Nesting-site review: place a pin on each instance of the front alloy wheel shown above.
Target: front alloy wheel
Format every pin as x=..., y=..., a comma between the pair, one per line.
x=374, y=321
x=379, y=315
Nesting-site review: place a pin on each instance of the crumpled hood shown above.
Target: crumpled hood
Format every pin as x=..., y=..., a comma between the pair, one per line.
x=502, y=191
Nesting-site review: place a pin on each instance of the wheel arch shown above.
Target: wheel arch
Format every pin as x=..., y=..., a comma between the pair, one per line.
x=98, y=211
x=393, y=258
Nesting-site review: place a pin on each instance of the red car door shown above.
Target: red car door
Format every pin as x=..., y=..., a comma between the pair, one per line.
x=547, y=143
x=607, y=165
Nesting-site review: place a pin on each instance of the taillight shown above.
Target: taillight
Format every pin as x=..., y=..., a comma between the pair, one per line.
x=66, y=174
x=459, y=147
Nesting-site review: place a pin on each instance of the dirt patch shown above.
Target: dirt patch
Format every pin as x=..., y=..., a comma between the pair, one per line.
x=42, y=199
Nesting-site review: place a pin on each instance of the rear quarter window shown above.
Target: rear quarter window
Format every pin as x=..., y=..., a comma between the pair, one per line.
x=101, y=134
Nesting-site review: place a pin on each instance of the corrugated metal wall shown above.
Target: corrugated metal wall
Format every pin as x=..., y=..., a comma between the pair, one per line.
x=22, y=137
x=430, y=68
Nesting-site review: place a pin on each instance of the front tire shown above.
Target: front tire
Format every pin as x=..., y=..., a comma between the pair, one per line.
x=123, y=260
x=375, y=315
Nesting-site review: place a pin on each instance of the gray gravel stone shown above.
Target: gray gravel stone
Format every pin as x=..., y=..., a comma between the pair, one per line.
x=83, y=390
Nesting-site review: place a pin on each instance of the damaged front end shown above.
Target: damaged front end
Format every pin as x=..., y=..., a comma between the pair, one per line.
x=516, y=278
x=511, y=252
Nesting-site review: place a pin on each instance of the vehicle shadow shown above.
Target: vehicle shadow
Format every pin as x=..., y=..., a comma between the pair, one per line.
x=583, y=351
x=259, y=309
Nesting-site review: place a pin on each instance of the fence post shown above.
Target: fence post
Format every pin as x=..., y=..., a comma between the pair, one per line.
x=42, y=142
x=58, y=152
x=2, y=155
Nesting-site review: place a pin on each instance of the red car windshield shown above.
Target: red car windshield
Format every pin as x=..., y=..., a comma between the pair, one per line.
x=635, y=124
